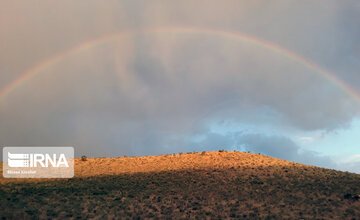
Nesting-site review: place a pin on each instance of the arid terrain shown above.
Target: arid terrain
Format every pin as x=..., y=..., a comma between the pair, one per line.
x=207, y=185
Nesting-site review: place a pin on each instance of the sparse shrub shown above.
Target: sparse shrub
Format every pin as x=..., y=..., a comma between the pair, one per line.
x=31, y=211
x=51, y=212
x=347, y=196
x=83, y=158
x=350, y=196
x=203, y=153
x=349, y=212
x=125, y=156
x=222, y=150
x=150, y=215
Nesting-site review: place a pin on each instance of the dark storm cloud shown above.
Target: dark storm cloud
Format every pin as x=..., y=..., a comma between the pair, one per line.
x=152, y=93
x=284, y=148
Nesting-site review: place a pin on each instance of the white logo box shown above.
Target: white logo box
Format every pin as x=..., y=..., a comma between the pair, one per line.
x=38, y=162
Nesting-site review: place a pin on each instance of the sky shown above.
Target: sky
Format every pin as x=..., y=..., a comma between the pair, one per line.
x=135, y=78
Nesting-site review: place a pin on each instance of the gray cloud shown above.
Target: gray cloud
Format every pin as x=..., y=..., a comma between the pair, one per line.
x=155, y=93
x=284, y=148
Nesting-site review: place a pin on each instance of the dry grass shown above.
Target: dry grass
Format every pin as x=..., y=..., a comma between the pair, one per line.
x=203, y=185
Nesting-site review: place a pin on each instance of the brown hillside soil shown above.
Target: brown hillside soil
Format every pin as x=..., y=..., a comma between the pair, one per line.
x=193, y=185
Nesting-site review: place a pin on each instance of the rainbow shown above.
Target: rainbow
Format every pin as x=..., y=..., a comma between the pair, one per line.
x=4, y=92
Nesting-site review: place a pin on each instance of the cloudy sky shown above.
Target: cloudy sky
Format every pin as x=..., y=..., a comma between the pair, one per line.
x=154, y=77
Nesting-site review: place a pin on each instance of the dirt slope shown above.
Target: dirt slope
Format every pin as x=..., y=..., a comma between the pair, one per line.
x=193, y=185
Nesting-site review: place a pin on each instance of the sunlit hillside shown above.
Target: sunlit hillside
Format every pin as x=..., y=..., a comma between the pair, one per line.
x=203, y=185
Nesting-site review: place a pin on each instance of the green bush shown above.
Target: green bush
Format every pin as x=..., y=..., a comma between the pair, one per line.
x=83, y=158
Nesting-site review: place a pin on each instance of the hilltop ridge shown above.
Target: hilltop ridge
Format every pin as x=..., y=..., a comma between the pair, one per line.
x=182, y=161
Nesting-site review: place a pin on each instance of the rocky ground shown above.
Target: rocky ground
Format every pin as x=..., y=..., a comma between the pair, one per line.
x=207, y=185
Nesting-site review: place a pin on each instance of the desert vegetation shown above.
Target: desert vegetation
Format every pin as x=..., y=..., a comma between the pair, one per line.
x=206, y=185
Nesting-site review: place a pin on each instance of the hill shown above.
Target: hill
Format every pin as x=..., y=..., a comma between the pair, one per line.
x=204, y=185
